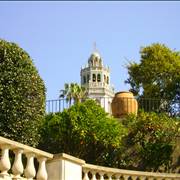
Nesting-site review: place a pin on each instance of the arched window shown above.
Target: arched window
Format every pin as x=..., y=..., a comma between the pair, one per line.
x=94, y=77
x=107, y=80
x=84, y=79
x=96, y=62
x=87, y=78
x=99, y=78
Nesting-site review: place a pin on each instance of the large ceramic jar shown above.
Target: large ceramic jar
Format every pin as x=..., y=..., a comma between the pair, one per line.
x=124, y=103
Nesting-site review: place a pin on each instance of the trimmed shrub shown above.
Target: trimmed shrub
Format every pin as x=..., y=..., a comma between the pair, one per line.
x=22, y=95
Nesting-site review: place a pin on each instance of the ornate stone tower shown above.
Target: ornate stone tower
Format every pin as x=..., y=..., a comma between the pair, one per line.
x=96, y=79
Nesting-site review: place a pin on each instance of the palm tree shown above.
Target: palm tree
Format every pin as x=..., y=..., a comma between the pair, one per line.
x=80, y=93
x=73, y=91
x=63, y=92
x=67, y=93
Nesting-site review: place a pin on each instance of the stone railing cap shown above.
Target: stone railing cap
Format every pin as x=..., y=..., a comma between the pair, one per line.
x=128, y=172
x=27, y=149
x=65, y=156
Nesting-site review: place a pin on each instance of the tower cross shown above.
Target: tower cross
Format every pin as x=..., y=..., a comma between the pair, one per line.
x=94, y=46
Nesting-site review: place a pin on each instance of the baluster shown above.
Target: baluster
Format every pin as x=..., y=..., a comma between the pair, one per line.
x=142, y=177
x=42, y=173
x=101, y=175
x=109, y=176
x=18, y=168
x=30, y=171
x=85, y=174
x=157, y=178
x=134, y=177
x=150, y=178
x=5, y=164
x=125, y=177
x=93, y=175
x=117, y=177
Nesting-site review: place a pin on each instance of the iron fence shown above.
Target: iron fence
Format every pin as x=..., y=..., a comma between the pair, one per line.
x=172, y=108
x=58, y=105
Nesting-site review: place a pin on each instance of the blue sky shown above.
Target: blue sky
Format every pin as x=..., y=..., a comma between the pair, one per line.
x=59, y=36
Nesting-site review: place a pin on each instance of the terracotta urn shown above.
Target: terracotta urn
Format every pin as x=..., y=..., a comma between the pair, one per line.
x=124, y=103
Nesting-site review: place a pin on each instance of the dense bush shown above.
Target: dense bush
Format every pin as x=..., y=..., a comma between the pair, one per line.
x=22, y=95
x=84, y=131
x=150, y=142
x=143, y=142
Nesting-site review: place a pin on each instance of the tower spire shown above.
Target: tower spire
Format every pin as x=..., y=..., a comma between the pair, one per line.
x=94, y=47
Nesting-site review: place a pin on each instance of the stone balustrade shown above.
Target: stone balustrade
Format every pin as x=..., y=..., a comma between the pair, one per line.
x=12, y=161
x=92, y=172
x=17, y=163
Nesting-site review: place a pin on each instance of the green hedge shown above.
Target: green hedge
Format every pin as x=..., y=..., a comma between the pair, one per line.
x=22, y=95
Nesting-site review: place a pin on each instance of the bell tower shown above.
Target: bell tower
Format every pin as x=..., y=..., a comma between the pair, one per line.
x=95, y=77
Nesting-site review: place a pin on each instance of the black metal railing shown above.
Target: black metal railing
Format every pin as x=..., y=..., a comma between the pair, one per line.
x=172, y=108
x=58, y=105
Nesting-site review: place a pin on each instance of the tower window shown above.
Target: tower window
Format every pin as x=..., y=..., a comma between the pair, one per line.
x=107, y=80
x=84, y=79
x=94, y=78
x=96, y=62
x=99, y=78
x=88, y=78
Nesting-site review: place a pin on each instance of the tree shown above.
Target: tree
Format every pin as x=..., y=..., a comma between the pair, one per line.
x=85, y=131
x=73, y=91
x=22, y=95
x=157, y=75
x=150, y=142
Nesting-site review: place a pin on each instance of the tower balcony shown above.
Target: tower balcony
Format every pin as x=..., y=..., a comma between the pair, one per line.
x=99, y=85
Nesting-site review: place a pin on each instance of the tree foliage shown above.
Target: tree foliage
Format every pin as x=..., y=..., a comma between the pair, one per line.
x=22, y=95
x=157, y=75
x=143, y=142
x=150, y=142
x=84, y=131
